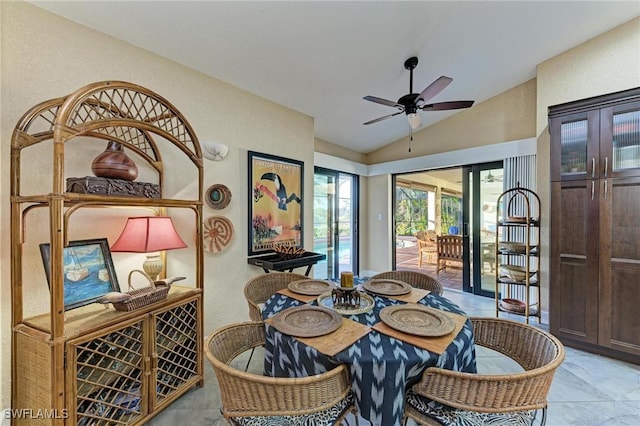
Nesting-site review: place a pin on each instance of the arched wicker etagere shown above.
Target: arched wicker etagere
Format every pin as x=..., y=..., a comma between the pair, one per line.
x=518, y=253
x=93, y=365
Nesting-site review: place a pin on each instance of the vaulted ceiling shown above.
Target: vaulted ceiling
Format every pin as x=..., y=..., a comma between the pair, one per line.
x=322, y=57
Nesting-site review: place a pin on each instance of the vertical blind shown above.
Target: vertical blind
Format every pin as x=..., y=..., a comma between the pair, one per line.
x=520, y=171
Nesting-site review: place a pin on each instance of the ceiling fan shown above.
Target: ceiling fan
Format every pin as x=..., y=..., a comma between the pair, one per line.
x=412, y=102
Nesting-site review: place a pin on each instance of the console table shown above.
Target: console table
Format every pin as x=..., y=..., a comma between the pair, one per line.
x=273, y=262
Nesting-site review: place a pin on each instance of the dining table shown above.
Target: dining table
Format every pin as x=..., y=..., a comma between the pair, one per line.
x=383, y=363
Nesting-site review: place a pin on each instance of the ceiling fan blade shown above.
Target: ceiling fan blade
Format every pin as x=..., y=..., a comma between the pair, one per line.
x=442, y=106
x=382, y=101
x=382, y=118
x=434, y=88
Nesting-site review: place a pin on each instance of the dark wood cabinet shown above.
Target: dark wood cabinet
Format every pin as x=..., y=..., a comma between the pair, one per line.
x=595, y=224
x=574, y=271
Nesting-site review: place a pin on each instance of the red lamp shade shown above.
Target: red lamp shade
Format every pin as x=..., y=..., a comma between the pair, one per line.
x=148, y=234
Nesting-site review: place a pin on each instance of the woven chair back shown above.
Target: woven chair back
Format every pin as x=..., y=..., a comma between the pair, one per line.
x=530, y=347
x=260, y=288
x=414, y=279
x=538, y=352
x=246, y=394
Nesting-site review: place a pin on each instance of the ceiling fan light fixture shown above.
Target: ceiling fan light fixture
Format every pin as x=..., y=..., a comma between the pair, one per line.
x=414, y=120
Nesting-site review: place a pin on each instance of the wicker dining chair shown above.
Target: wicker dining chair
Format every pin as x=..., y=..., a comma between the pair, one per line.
x=414, y=279
x=480, y=399
x=260, y=288
x=247, y=398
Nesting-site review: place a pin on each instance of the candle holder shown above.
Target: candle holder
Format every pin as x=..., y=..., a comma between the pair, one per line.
x=345, y=297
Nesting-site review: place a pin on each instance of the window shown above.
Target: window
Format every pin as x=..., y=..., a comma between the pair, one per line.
x=451, y=213
x=415, y=208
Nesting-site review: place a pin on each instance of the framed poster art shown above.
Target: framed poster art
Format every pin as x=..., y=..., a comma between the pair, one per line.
x=275, y=202
x=88, y=271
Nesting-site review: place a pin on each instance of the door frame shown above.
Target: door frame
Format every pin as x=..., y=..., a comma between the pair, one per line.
x=355, y=204
x=472, y=264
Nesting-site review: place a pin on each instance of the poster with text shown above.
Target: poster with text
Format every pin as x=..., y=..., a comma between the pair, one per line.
x=275, y=202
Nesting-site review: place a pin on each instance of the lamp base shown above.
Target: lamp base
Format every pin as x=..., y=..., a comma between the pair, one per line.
x=153, y=266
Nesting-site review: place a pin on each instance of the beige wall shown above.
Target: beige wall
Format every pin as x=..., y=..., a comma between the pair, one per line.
x=338, y=151
x=44, y=56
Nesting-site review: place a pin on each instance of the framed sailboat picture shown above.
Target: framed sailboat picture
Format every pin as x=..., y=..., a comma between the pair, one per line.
x=88, y=271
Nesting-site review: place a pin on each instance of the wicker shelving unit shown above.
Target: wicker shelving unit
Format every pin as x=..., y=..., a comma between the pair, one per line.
x=91, y=365
x=518, y=253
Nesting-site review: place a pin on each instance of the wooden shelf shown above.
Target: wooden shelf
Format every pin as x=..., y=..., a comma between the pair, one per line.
x=90, y=318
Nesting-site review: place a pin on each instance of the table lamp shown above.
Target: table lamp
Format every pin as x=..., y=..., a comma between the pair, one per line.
x=149, y=234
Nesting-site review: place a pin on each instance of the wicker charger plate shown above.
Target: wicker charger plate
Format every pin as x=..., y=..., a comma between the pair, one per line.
x=366, y=304
x=387, y=287
x=417, y=319
x=311, y=287
x=306, y=321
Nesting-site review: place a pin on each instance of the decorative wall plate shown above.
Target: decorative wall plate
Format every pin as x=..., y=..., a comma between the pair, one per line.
x=218, y=231
x=417, y=319
x=218, y=196
x=306, y=321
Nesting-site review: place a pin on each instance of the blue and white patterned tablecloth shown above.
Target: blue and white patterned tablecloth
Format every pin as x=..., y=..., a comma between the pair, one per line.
x=381, y=367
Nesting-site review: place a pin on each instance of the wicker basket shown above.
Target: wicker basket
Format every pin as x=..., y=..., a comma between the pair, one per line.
x=289, y=252
x=141, y=297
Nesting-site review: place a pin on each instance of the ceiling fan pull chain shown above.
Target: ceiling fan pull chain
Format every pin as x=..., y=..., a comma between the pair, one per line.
x=410, y=138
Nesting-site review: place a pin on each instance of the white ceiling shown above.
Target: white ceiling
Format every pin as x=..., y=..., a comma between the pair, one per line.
x=321, y=58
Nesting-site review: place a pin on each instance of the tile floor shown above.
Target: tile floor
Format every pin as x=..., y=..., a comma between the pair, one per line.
x=587, y=390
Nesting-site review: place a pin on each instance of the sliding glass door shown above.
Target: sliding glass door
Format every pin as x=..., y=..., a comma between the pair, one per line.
x=482, y=185
x=335, y=225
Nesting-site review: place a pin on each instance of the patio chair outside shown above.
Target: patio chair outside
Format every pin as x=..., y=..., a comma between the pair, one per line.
x=427, y=245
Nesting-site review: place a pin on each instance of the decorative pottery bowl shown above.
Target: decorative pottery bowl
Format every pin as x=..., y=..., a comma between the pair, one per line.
x=513, y=305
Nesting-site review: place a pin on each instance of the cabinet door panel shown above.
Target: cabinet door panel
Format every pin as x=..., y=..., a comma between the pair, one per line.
x=574, y=153
x=574, y=264
x=177, y=351
x=107, y=373
x=620, y=140
x=620, y=265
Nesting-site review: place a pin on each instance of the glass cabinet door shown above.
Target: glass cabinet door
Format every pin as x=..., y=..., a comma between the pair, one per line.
x=575, y=157
x=621, y=139
x=573, y=143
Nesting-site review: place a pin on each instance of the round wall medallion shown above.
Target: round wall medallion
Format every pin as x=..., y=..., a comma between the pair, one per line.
x=218, y=232
x=218, y=196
